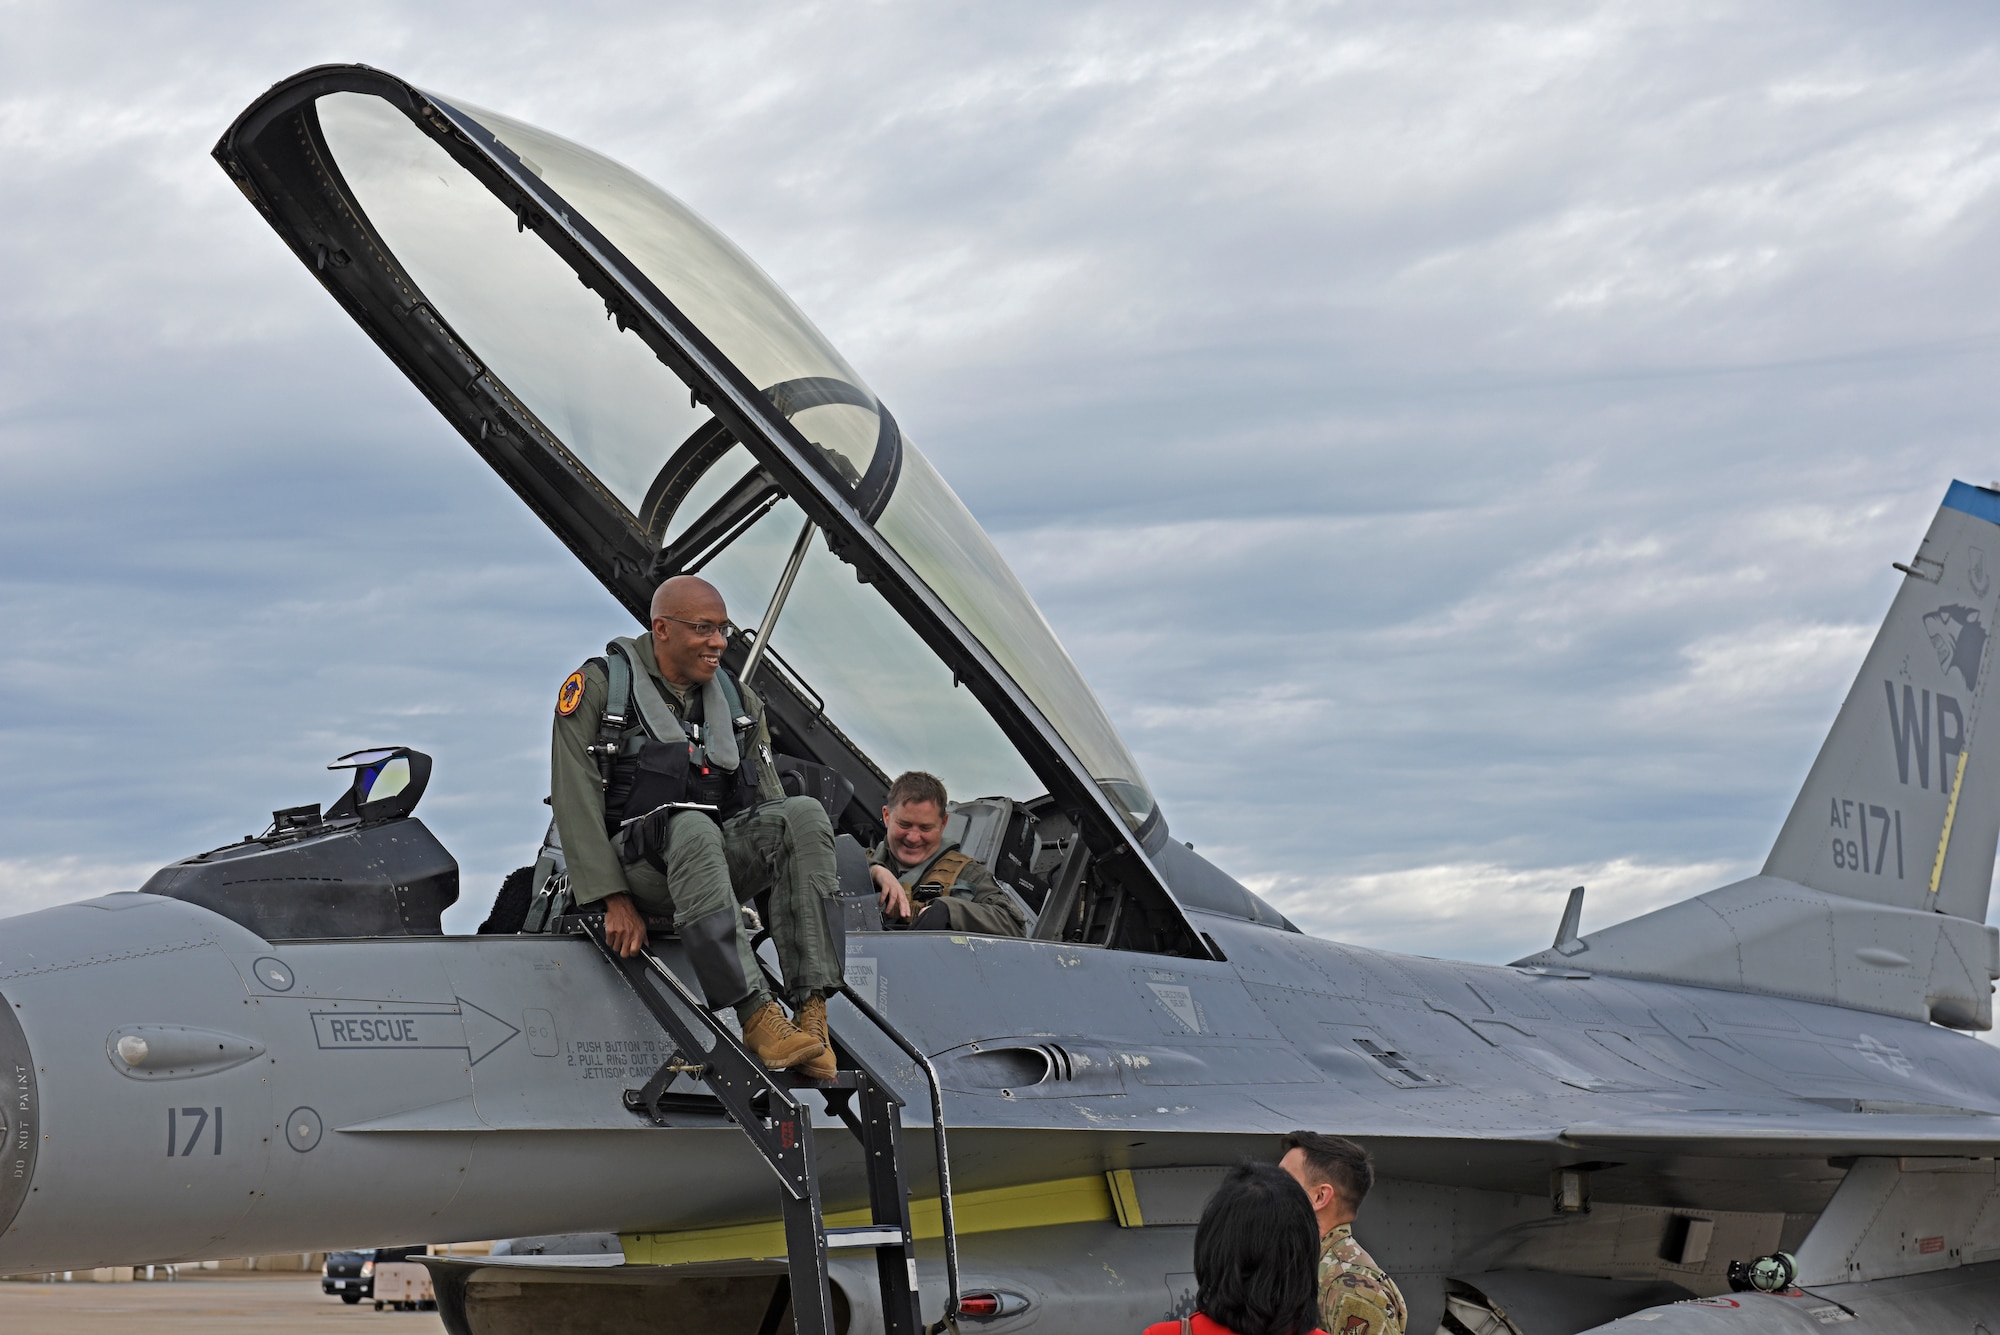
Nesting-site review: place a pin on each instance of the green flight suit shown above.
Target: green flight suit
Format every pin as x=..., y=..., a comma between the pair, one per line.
x=783, y=844
x=975, y=902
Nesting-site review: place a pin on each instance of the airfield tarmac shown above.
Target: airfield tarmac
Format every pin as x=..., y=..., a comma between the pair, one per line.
x=207, y=1302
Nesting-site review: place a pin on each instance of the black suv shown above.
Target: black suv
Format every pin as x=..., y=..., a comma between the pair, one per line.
x=351, y=1275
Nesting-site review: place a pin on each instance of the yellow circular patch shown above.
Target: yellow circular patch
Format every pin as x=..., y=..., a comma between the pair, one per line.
x=571, y=695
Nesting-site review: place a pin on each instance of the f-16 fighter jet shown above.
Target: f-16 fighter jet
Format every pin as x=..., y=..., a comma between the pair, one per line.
x=1758, y=1110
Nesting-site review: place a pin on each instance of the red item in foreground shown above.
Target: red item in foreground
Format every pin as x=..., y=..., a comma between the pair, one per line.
x=1197, y=1325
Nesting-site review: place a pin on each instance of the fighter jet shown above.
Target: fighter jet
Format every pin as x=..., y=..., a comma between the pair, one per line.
x=1757, y=1110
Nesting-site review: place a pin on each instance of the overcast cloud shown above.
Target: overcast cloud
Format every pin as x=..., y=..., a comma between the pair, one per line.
x=1463, y=445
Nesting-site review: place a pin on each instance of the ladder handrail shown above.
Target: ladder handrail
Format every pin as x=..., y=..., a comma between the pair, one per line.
x=916, y=1054
x=793, y=1160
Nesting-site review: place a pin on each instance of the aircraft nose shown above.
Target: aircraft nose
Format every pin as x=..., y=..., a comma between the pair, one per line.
x=20, y=1115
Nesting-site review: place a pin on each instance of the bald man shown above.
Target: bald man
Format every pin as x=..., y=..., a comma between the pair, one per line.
x=669, y=803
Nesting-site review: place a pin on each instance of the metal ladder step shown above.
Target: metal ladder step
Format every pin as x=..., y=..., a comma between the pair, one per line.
x=769, y=1109
x=866, y=1235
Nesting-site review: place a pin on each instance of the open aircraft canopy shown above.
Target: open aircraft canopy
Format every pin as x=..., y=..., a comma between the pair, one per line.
x=665, y=408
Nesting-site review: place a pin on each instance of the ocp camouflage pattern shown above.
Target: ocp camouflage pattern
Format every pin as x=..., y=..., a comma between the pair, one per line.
x=1355, y=1297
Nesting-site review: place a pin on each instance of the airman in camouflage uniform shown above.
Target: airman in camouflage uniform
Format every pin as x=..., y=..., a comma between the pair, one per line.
x=1355, y=1297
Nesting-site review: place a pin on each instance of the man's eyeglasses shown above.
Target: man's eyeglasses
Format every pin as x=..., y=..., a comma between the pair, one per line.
x=707, y=629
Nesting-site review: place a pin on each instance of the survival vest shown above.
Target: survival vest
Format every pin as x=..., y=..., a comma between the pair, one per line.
x=944, y=873
x=649, y=755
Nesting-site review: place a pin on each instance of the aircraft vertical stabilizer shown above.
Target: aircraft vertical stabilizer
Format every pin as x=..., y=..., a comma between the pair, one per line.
x=1874, y=896
x=1902, y=807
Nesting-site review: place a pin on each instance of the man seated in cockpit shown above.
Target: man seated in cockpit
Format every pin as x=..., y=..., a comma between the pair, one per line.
x=927, y=883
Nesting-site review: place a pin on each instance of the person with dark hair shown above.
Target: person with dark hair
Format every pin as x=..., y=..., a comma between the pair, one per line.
x=1355, y=1296
x=1253, y=1259
x=915, y=863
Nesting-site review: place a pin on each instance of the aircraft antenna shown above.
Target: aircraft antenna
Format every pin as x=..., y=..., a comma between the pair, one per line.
x=1569, y=940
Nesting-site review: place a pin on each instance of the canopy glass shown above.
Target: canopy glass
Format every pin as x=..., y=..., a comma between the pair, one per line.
x=622, y=415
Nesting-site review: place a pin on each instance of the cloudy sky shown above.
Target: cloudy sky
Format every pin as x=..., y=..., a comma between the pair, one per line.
x=1464, y=445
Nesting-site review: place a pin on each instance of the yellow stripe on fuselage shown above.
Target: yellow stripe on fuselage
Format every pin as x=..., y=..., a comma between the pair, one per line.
x=1069, y=1200
x=1125, y=1198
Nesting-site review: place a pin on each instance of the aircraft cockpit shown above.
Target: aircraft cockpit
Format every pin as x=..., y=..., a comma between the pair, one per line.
x=666, y=409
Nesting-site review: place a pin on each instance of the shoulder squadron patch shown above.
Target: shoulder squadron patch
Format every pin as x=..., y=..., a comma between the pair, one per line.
x=571, y=694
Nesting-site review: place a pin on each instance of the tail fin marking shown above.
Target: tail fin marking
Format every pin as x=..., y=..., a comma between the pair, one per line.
x=1874, y=896
x=1902, y=807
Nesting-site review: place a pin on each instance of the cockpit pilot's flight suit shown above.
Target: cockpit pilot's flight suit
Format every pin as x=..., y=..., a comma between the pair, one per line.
x=763, y=839
x=971, y=896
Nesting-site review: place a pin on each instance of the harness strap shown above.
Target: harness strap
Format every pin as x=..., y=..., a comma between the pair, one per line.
x=658, y=716
x=617, y=709
x=730, y=747
x=738, y=719
x=717, y=746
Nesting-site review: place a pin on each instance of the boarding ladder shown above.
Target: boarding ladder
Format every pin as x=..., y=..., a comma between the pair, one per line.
x=770, y=1108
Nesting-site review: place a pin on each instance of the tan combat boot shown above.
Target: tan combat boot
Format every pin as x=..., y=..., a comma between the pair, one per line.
x=777, y=1042
x=812, y=1023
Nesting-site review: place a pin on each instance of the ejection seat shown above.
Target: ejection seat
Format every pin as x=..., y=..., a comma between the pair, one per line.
x=981, y=828
x=364, y=866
